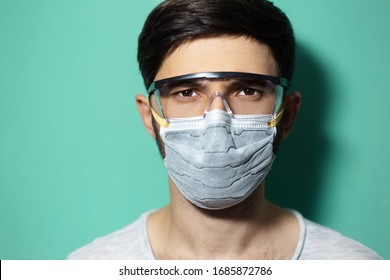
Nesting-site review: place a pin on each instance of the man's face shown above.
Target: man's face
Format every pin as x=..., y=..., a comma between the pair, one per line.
x=225, y=53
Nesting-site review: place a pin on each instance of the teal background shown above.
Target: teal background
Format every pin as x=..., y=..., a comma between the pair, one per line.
x=76, y=162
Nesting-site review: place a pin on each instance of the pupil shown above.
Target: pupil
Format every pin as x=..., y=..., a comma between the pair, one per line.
x=187, y=93
x=249, y=91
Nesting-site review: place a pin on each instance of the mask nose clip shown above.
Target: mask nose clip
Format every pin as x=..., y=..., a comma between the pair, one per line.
x=224, y=102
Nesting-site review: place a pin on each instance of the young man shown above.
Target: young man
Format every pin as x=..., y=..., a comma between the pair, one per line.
x=217, y=74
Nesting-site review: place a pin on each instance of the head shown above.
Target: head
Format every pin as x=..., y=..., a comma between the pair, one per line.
x=226, y=28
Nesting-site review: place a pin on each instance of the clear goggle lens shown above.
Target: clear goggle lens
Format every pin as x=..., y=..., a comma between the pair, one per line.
x=196, y=94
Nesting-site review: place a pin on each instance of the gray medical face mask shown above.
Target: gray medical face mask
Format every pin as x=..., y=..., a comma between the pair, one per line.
x=217, y=161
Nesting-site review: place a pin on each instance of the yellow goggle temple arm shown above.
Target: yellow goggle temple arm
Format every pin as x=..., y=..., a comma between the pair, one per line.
x=277, y=118
x=159, y=120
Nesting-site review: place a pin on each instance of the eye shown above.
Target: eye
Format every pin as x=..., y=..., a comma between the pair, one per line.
x=250, y=92
x=186, y=93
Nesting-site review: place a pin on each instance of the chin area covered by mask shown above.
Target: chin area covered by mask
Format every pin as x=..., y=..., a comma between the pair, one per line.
x=217, y=161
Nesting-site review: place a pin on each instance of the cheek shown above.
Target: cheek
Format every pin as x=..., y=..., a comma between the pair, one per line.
x=157, y=136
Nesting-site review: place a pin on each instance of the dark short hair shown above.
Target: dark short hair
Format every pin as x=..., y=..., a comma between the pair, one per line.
x=174, y=22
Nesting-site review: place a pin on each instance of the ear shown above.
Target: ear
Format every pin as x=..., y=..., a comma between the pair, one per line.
x=145, y=113
x=291, y=108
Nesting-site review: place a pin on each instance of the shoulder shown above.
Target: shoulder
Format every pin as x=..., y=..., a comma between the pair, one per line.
x=130, y=242
x=324, y=243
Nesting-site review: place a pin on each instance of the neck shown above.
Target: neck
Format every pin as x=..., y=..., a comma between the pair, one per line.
x=248, y=230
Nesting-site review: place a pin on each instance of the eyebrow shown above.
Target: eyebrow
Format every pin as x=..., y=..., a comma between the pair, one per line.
x=232, y=84
x=193, y=83
x=211, y=75
x=246, y=82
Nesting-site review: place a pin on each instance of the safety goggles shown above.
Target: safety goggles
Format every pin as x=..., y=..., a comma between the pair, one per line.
x=240, y=93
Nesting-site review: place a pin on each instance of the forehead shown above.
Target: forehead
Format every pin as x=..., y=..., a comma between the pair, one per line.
x=225, y=53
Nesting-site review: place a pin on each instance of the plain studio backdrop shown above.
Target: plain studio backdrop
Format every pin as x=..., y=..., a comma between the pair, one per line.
x=76, y=162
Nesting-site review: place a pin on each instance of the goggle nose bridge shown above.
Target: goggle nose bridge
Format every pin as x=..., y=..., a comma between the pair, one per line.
x=224, y=102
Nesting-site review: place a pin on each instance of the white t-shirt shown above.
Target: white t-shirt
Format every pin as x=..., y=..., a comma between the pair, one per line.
x=316, y=242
